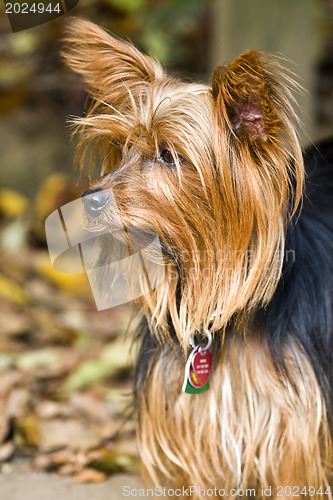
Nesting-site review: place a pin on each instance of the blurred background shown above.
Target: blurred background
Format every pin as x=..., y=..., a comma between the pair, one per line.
x=65, y=372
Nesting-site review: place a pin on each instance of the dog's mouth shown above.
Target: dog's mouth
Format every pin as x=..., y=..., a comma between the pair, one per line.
x=122, y=262
x=114, y=237
x=106, y=218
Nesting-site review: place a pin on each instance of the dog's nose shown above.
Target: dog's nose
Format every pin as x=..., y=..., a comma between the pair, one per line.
x=95, y=200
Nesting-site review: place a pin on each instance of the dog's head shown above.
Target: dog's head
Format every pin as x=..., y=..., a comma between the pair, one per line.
x=213, y=170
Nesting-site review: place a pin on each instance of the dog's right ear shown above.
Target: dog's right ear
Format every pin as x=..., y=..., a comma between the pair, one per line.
x=109, y=66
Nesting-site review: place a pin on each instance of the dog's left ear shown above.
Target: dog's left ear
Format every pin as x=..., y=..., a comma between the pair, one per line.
x=243, y=91
x=109, y=66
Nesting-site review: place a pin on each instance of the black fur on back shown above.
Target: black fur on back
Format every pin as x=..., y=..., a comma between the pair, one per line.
x=302, y=306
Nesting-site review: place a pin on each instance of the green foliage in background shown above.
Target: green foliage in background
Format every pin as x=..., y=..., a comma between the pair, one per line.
x=161, y=28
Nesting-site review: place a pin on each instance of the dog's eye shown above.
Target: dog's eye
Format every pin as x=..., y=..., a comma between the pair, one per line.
x=118, y=144
x=167, y=157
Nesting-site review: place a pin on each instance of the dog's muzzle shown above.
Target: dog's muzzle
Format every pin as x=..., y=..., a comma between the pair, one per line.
x=95, y=200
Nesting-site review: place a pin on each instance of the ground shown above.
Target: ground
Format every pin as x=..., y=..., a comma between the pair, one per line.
x=40, y=485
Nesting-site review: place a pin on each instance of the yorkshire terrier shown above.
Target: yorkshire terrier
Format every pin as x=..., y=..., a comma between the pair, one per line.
x=234, y=376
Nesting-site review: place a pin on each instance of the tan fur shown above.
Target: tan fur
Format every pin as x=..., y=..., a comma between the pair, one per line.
x=221, y=212
x=137, y=104
x=251, y=429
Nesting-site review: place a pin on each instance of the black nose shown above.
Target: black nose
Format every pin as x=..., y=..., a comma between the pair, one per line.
x=95, y=200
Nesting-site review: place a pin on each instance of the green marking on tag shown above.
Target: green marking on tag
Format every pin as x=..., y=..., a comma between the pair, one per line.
x=189, y=389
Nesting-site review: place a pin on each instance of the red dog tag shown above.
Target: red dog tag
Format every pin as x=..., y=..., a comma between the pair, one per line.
x=198, y=368
x=202, y=364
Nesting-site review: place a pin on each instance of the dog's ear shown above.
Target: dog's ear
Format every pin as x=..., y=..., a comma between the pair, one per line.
x=255, y=128
x=108, y=65
x=260, y=169
x=244, y=92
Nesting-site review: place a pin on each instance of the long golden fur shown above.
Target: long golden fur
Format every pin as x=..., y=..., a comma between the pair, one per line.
x=221, y=212
x=252, y=429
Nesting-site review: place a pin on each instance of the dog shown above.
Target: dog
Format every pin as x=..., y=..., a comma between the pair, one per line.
x=246, y=231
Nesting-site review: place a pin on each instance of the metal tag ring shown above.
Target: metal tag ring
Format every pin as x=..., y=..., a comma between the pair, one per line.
x=209, y=341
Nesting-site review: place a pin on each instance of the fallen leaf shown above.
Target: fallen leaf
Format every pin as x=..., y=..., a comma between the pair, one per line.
x=89, y=476
x=67, y=470
x=14, y=323
x=114, y=357
x=12, y=291
x=8, y=380
x=60, y=433
x=6, y=451
x=48, y=409
x=42, y=358
x=4, y=425
x=115, y=460
x=91, y=407
x=71, y=282
x=7, y=361
x=87, y=373
x=28, y=430
x=18, y=402
x=13, y=203
x=17, y=265
x=14, y=236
